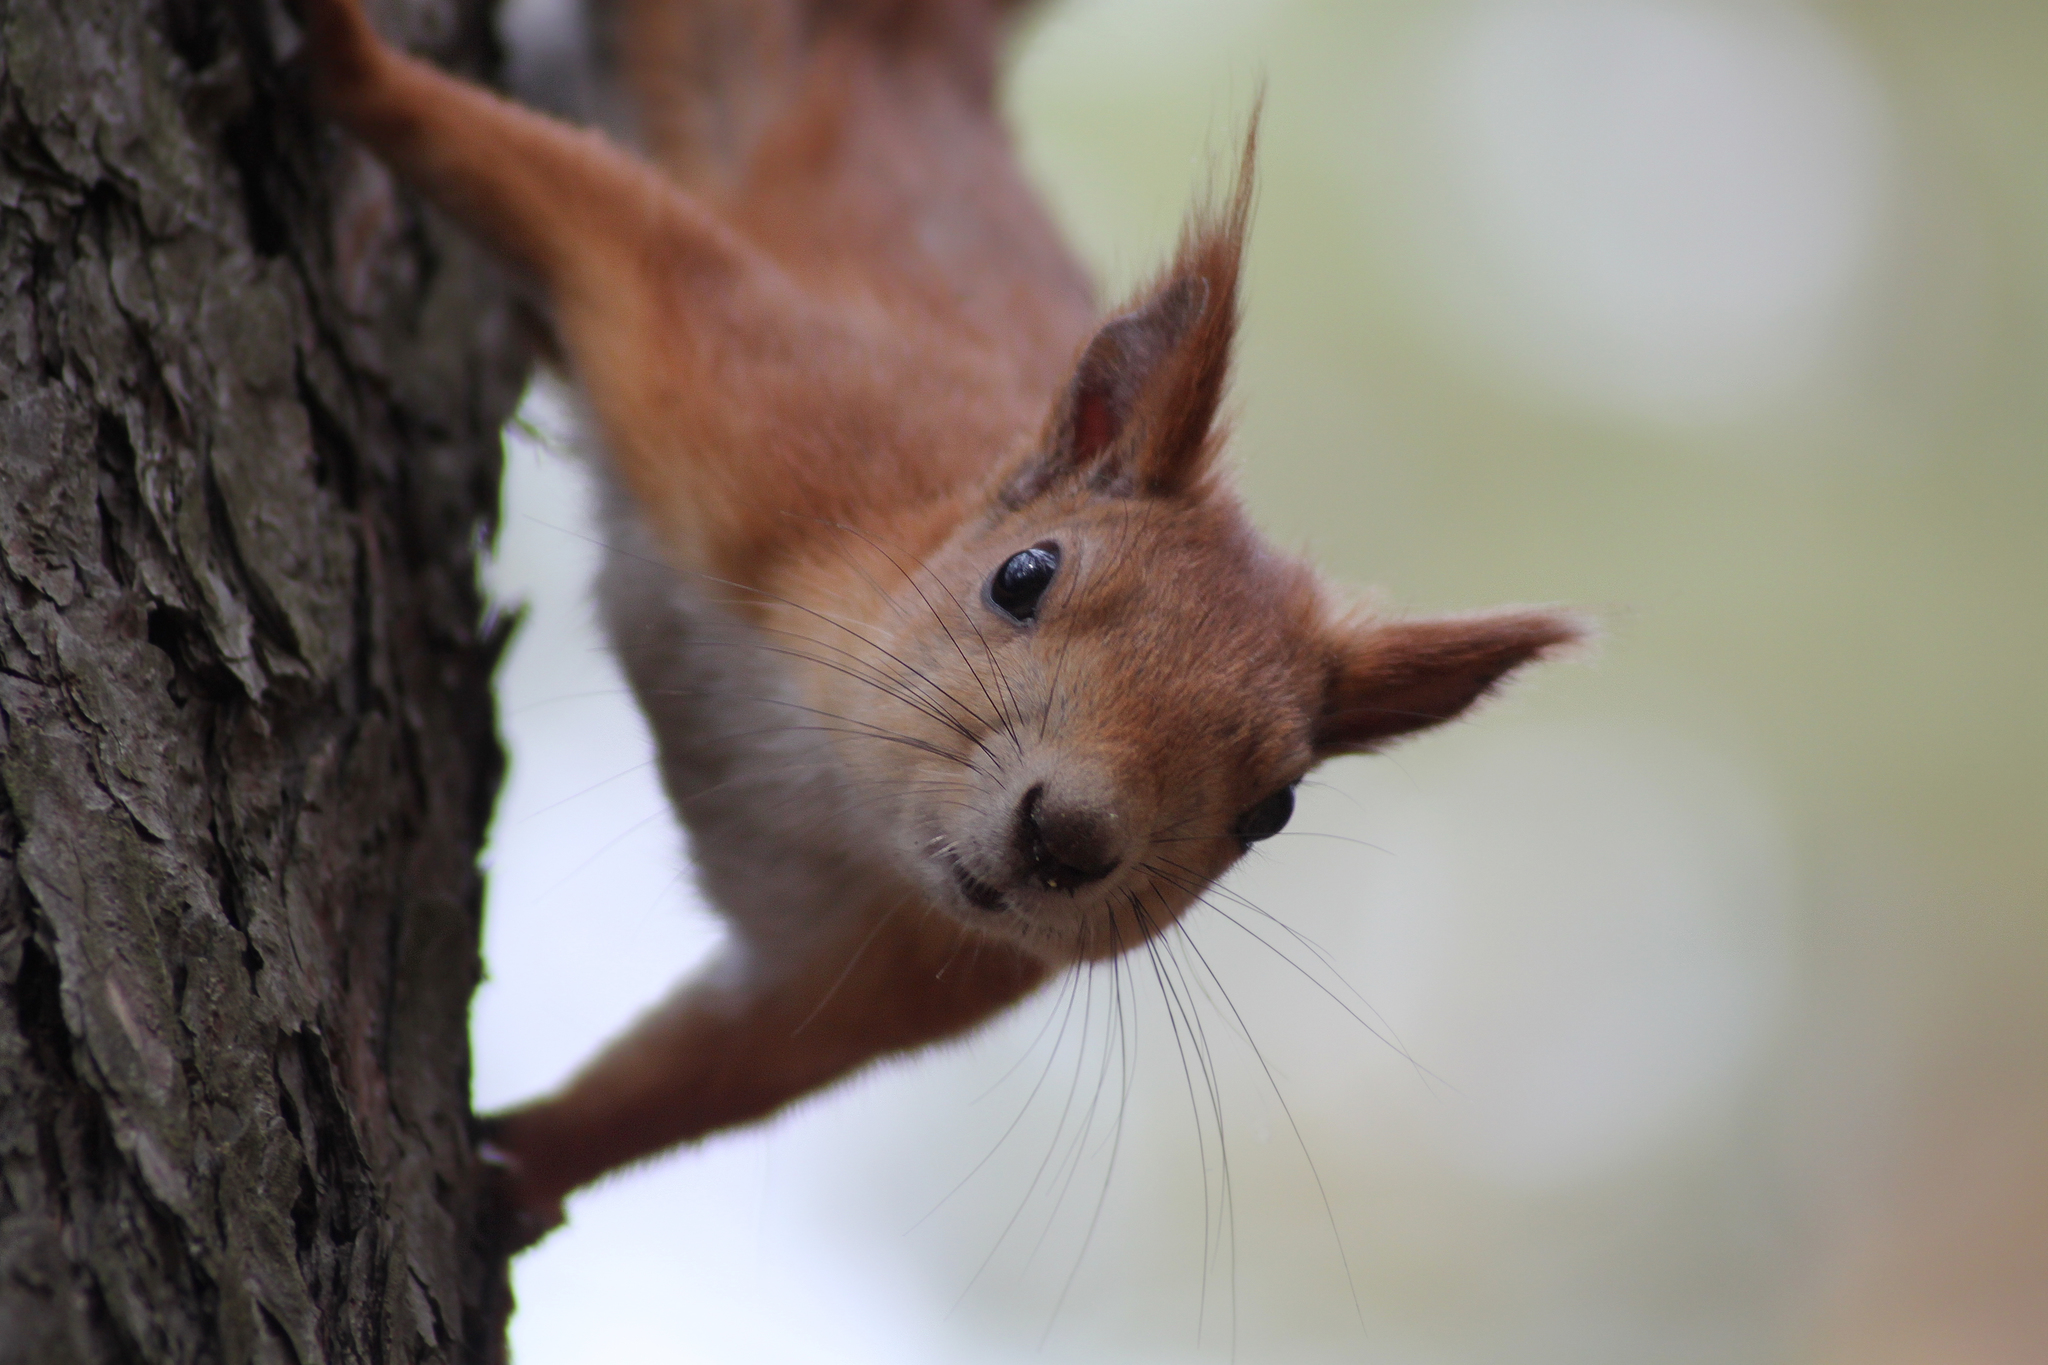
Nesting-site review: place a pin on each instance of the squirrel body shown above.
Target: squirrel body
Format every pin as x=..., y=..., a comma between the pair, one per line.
x=964, y=662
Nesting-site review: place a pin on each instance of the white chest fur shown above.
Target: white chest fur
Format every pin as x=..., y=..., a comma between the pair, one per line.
x=777, y=829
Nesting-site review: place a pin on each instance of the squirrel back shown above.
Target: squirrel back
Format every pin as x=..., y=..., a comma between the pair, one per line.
x=856, y=137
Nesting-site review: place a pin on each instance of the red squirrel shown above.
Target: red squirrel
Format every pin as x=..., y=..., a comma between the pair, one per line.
x=963, y=659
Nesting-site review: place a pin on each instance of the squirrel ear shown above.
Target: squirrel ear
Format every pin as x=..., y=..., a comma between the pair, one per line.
x=1114, y=372
x=1139, y=415
x=1392, y=678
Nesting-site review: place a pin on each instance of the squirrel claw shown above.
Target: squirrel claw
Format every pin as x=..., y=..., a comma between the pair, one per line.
x=512, y=1219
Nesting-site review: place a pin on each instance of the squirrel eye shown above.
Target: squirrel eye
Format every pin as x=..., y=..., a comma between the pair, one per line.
x=1015, y=588
x=1267, y=818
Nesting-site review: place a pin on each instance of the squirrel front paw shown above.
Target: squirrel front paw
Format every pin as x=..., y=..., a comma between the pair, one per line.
x=513, y=1216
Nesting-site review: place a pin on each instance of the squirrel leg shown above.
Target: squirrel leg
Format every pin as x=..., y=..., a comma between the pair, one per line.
x=743, y=1038
x=637, y=272
x=558, y=201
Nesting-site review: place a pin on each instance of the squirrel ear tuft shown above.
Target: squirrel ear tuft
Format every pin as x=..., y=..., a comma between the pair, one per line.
x=1391, y=678
x=1138, y=417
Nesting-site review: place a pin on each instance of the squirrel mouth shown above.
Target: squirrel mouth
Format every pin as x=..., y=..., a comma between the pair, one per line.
x=978, y=892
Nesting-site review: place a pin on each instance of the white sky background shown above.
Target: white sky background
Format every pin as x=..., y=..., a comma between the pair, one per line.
x=1577, y=929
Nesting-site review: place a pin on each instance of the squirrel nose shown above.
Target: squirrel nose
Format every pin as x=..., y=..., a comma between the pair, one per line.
x=1066, y=845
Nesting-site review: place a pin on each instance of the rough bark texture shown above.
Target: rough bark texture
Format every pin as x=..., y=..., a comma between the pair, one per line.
x=249, y=401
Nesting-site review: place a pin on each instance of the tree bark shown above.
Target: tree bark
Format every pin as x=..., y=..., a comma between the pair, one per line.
x=249, y=406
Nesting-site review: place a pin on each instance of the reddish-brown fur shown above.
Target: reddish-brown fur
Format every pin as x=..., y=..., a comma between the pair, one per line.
x=843, y=367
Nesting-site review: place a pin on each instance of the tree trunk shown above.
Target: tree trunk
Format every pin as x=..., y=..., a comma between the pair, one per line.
x=249, y=403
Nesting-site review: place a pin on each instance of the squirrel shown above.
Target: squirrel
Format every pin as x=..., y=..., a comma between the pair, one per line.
x=964, y=661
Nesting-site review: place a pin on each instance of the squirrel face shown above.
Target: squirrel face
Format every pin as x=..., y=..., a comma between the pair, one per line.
x=1074, y=715
x=1082, y=712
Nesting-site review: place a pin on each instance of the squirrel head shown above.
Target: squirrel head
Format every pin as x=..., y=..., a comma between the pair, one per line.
x=1101, y=689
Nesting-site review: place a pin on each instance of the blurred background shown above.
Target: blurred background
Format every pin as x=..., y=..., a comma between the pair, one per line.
x=1690, y=1005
